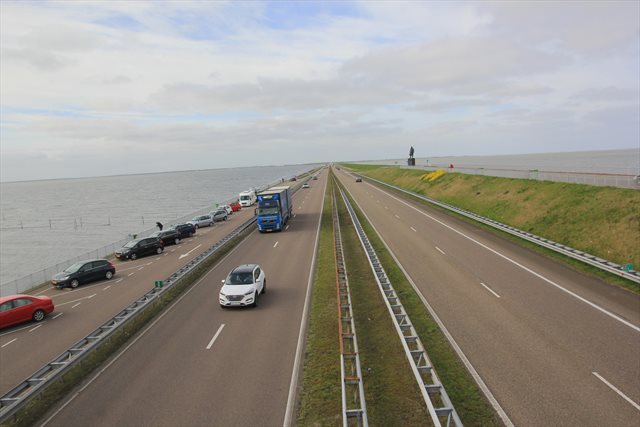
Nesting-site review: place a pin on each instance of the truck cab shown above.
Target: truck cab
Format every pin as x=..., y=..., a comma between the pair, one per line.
x=274, y=209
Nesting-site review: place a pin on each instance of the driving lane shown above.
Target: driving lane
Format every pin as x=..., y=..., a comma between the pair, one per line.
x=188, y=369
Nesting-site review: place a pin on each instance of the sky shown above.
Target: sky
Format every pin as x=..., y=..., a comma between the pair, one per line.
x=91, y=88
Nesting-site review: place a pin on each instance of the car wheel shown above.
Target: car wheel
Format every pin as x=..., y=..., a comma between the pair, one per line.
x=38, y=315
x=177, y=240
x=225, y=218
x=74, y=283
x=159, y=251
x=255, y=299
x=264, y=286
x=134, y=257
x=109, y=275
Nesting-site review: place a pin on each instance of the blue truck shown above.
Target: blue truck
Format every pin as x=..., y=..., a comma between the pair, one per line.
x=274, y=209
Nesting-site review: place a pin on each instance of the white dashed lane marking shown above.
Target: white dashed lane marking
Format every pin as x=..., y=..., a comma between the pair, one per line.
x=490, y=290
x=440, y=250
x=7, y=343
x=414, y=229
x=276, y=244
x=31, y=330
x=74, y=306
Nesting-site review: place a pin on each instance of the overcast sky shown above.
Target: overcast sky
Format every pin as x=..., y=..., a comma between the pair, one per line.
x=116, y=87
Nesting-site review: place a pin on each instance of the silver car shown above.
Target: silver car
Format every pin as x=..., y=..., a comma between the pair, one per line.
x=202, y=221
x=219, y=214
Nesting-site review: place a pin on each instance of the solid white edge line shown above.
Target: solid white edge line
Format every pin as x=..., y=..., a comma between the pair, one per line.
x=7, y=343
x=215, y=337
x=288, y=415
x=614, y=388
x=143, y=333
x=540, y=276
x=485, y=389
x=440, y=250
x=490, y=290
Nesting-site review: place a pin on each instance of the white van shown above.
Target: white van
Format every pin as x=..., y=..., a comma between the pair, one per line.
x=247, y=198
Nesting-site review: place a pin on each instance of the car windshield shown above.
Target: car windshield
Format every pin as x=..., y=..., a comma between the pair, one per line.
x=244, y=197
x=73, y=268
x=245, y=278
x=267, y=211
x=131, y=244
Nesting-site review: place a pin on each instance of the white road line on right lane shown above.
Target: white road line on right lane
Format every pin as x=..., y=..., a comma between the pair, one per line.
x=287, y=227
x=414, y=230
x=56, y=316
x=130, y=274
x=74, y=306
x=490, y=290
x=31, y=330
x=397, y=216
x=119, y=280
x=275, y=244
x=215, y=337
x=516, y=263
x=106, y=287
x=440, y=250
x=7, y=343
x=614, y=388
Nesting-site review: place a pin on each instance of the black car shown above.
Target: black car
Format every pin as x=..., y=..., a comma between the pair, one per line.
x=84, y=272
x=169, y=236
x=140, y=247
x=358, y=179
x=185, y=230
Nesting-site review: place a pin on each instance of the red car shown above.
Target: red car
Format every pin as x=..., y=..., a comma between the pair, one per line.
x=16, y=309
x=235, y=206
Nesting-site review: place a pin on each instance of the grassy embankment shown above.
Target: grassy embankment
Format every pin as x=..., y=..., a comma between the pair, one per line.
x=603, y=221
x=391, y=392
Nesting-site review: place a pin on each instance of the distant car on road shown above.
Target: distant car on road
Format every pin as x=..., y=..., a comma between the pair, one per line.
x=167, y=236
x=140, y=247
x=185, y=230
x=243, y=285
x=219, y=214
x=83, y=272
x=305, y=185
x=315, y=178
x=235, y=206
x=202, y=221
x=358, y=179
x=293, y=179
x=16, y=309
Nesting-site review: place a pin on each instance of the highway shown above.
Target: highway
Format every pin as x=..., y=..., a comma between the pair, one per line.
x=26, y=348
x=554, y=346
x=201, y=365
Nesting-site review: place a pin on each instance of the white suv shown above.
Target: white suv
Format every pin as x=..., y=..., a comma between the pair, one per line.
x=242, y=286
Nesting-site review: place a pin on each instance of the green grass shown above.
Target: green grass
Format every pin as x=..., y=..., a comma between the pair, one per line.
x=60, y=388
x=320, y=398
x=470, y=403
x=603, y=221
x=392, y=394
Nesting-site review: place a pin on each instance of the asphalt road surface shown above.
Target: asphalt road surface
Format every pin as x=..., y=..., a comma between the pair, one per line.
x=202, y=365
x=28, y=347
x=554, y=346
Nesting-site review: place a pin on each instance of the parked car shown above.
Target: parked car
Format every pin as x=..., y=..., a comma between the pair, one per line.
x=185, y=230
x=293, y=179
x=358, y=179
x=305, y=185
x=243, y=285
x=83, y=272
x=219, y=214
x=16, y=309
x=235, y=206
x=315, y=178
x=228, y=209
x=202, y=221
x=140, y=247
x=167, y=236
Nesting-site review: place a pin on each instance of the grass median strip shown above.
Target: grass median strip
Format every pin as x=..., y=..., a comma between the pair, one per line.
x=470, y=403
x=320, y=398
x=392, y=394
x=66, y=383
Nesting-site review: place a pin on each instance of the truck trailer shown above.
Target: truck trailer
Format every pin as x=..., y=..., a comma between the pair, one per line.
x=274, y=209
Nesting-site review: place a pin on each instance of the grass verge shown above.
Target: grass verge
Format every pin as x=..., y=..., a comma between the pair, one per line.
x=320, y=398
x=471, y=405
x=60, y=388
x=391, y=392
x=600, y=220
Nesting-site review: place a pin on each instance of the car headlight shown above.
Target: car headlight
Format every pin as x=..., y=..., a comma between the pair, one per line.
x=249, y=293
x=222, y=295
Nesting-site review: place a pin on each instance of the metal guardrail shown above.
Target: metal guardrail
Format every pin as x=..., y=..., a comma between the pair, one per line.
x=433, y=392
x=20, y=395
x=585, y=257
x=354, y=410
